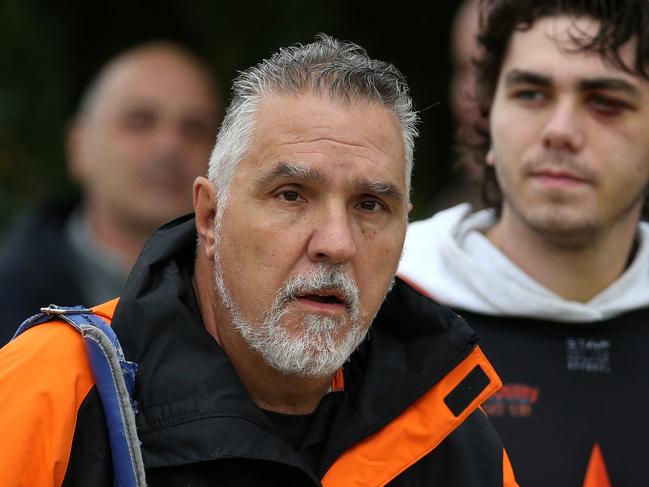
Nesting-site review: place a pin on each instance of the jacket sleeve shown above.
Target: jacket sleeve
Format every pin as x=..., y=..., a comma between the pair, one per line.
x=44, y=378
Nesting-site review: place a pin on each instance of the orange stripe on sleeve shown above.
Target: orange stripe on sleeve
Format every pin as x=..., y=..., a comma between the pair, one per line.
x=44, y=378
x=381, y=457
x=508, y=472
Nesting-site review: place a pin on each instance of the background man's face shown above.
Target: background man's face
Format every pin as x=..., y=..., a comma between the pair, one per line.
x=322, y=189
x=147, y=136
x=569, y=133
x=464, y=49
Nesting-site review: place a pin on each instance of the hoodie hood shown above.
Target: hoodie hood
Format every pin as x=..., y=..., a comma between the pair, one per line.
x=449, y=258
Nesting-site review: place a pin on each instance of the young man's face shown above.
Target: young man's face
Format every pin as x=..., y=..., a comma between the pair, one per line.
x=320, y=198
x=570, y=134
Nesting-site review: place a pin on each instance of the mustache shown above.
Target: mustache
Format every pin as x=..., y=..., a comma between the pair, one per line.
x=560, y=161
x=322, y=278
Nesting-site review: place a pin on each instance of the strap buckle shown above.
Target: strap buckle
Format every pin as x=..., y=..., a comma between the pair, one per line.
x=54, y=310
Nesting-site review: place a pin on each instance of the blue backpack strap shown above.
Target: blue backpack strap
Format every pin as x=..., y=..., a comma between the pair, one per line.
x=115, y=380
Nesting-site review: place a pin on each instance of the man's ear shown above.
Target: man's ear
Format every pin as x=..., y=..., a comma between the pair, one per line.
x=205, y=210
x=490, y=158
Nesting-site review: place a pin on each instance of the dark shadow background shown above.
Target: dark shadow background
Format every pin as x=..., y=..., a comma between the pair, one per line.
x=50, y=50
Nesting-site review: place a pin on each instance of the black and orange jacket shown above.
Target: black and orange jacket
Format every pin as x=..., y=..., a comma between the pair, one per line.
x=405, y=412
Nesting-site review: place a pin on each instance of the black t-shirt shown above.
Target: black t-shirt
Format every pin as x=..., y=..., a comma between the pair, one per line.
x=568, y=387
x=292, y=427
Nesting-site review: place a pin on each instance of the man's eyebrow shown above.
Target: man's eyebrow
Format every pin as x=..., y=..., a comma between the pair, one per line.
x=517, y=76
x=380, y=188
x=289, y=170
x=614, y=84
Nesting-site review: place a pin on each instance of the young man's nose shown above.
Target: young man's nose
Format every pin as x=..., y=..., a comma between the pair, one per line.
x=563, y=129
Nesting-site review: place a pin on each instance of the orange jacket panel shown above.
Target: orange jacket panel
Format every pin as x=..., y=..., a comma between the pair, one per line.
x=44, y=374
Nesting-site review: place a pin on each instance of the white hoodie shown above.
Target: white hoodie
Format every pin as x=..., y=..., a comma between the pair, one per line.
x=448, y=257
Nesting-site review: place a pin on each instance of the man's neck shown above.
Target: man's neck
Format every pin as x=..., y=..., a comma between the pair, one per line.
x=574, y=272
x=274, y=391
x=115, y=235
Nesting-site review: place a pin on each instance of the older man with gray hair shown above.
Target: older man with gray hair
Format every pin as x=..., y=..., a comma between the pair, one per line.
x=253, y=362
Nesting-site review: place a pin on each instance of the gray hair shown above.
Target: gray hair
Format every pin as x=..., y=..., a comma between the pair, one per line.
x=340, y=70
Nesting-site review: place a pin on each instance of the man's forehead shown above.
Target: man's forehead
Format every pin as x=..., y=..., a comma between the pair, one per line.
x=323, y=147
x=567, y=36
x=312, y=117
x=142, y=76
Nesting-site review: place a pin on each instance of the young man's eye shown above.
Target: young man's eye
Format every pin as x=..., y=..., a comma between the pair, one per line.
x=530, y=95
x=607, y=105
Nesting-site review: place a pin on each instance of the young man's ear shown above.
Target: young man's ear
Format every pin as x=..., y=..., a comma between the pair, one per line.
x=205, y=211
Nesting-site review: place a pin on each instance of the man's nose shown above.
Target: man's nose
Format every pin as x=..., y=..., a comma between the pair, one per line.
x=332, y=239
x=563, y=130
x=168, y=137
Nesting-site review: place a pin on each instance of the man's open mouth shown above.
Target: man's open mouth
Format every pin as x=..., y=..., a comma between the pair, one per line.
x=329, y=299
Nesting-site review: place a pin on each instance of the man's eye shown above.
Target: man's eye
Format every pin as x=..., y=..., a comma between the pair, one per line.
x=530, y=96
x=371, y=205
x=197, y=130
x=139, y=120
x=606, y=105
x=289, y=195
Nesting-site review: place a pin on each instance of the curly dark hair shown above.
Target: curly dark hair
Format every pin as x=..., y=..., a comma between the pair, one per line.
x=620, y=21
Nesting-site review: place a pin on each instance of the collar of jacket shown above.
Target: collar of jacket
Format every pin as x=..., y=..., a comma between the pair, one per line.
x=188, y=394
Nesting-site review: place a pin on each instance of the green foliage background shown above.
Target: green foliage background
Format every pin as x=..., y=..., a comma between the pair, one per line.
x=50, y=50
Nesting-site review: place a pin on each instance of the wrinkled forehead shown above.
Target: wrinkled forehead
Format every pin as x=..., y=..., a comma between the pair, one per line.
x=315, y=122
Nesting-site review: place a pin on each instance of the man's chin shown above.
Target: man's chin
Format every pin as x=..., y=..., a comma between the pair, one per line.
x=321, y=355
x=308, y=373
x=565, y=232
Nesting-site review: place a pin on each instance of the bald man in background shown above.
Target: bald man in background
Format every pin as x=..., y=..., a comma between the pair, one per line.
x=142, y=134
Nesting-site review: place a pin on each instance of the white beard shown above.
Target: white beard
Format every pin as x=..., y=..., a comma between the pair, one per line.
x=321, y=345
